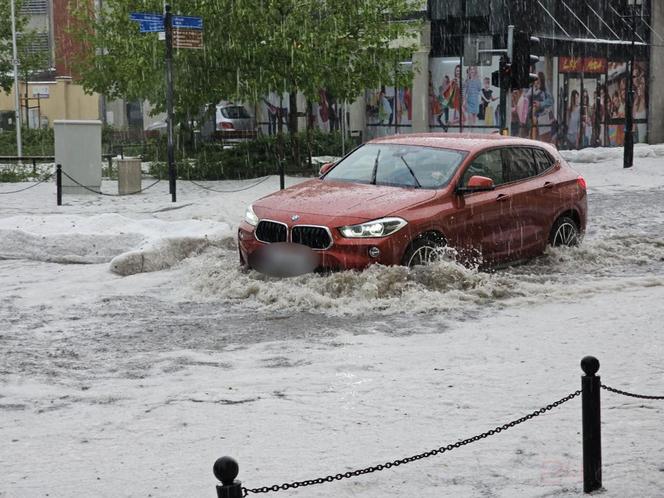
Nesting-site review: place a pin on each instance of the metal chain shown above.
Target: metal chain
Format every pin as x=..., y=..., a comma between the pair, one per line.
x=426, y=454
x=110, y=195
x=31, y=186
x=264, y=179
x=625, y=393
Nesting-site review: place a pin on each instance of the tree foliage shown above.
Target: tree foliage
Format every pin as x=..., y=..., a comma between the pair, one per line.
x=252, y=47
x=6, y=49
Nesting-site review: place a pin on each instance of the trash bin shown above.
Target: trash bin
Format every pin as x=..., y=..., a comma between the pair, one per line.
x=129, y=175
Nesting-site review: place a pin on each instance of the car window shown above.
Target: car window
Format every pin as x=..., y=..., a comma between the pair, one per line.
x=488, y=164
x=399, y=165
x=543, y=160
x=234, y=112
x=519, y=163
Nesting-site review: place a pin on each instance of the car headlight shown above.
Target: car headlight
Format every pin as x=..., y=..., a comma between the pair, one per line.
x=250, y=217
x=377, y=228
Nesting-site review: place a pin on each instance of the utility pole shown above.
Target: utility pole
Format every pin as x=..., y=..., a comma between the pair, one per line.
x=628, y=160
x=168, y=28
x=17, y=102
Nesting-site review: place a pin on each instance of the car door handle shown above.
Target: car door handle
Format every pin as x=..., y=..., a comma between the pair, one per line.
x=502, y=197
x=548, y=185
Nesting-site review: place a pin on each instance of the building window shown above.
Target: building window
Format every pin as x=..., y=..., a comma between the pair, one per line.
x=35, y=7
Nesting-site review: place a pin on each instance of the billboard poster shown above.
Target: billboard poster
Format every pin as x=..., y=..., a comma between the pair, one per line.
x=388, y=111
x=533, y=109
x=461, y=97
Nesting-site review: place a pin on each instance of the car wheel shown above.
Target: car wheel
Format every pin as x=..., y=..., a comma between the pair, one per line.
x=565, y=232
x=423, y=251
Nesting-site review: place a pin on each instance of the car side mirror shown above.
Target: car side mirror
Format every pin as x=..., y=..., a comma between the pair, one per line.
x=477, y=184
x=325, y=168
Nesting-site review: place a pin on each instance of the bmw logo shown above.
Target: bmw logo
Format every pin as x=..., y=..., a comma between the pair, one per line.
x=295, y=217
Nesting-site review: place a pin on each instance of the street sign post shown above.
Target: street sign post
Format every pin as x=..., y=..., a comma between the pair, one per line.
x=179, y=32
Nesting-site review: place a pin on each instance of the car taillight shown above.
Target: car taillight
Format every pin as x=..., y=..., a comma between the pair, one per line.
x=227, y=126
x=581, y=183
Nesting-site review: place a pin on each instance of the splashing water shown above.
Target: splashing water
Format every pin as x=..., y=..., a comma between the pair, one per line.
x=444, y=287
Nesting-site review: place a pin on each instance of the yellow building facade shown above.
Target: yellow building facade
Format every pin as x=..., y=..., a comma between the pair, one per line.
x=51, y=100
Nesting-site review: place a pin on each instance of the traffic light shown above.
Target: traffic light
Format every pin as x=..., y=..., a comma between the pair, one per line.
x=523, y=60
x=502, y=77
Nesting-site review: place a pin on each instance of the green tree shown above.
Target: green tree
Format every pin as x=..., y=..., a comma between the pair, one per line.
x=252, y=47
x=6, y=51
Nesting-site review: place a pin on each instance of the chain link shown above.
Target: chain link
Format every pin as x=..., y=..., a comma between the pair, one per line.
x=426, y=454
x=45, y=179
x=625, y=393
x=109, y=195
x=241, y=189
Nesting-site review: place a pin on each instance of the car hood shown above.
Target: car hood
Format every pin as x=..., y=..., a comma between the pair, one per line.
x=343, y=199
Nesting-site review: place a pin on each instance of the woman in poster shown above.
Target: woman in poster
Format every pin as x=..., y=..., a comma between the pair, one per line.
x=515, y=122
x=487, y=98
x=384, y=108
x=542, y=109
x=573, y=121
x=587, y=120
x=443, y=105
x=452, y=96
x=472, y=89
x=434, y=104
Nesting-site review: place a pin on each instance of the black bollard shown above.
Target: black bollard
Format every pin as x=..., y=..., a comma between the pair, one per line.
x=592, y=440
x=226, y=469
x=58, y=184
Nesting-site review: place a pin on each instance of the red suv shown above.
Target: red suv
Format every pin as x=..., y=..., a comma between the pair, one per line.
x=397, y=200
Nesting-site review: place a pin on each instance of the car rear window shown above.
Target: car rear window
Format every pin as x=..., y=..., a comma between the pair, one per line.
x=543, y=160
x=398, y=165
x=234, y=112
x=519, y=162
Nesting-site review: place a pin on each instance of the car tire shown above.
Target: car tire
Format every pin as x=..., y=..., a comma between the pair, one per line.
x=565, y=232
x=423, y=250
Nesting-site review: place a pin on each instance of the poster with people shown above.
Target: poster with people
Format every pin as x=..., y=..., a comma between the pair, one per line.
x=616, y=88
x=462, y=97
x=533, y=110
x=388, y=111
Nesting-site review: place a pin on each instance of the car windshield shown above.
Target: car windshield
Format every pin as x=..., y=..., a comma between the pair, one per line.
x=398, y=165
x=234, y=112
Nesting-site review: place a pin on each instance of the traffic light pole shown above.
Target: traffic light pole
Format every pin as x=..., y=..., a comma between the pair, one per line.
x=506, y=117
x=172, y=174
x=504, y=88
x=628, y=160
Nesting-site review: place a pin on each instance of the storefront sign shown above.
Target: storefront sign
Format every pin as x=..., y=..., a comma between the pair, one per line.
x=590, y=65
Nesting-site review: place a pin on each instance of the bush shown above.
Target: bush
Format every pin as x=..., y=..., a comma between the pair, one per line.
x=211, y=161
x=255, y=158
x=36, y=142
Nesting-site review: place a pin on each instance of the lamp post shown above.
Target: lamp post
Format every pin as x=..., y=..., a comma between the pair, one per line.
x=628, y=160
x=17, y=102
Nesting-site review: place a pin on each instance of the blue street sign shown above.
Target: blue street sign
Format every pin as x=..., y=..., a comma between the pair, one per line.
x=148, y=23
x=141, y=16
x=151, y=27
x=187, y=22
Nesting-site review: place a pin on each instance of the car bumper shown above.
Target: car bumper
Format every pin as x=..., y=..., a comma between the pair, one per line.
x=344, y=254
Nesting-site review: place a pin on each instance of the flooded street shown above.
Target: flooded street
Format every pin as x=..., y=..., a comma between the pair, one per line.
x=139, y=383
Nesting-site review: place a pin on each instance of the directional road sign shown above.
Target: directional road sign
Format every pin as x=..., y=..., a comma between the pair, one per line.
x=141, y=16
x=187, y=38
x=148, y=23
x=187, y=22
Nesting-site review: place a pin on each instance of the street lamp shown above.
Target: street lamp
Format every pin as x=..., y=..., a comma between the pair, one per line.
x=17, y=103
x=628, y=160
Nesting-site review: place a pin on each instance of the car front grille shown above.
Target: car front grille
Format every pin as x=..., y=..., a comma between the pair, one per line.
x=270, y=231
x=311, y=236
